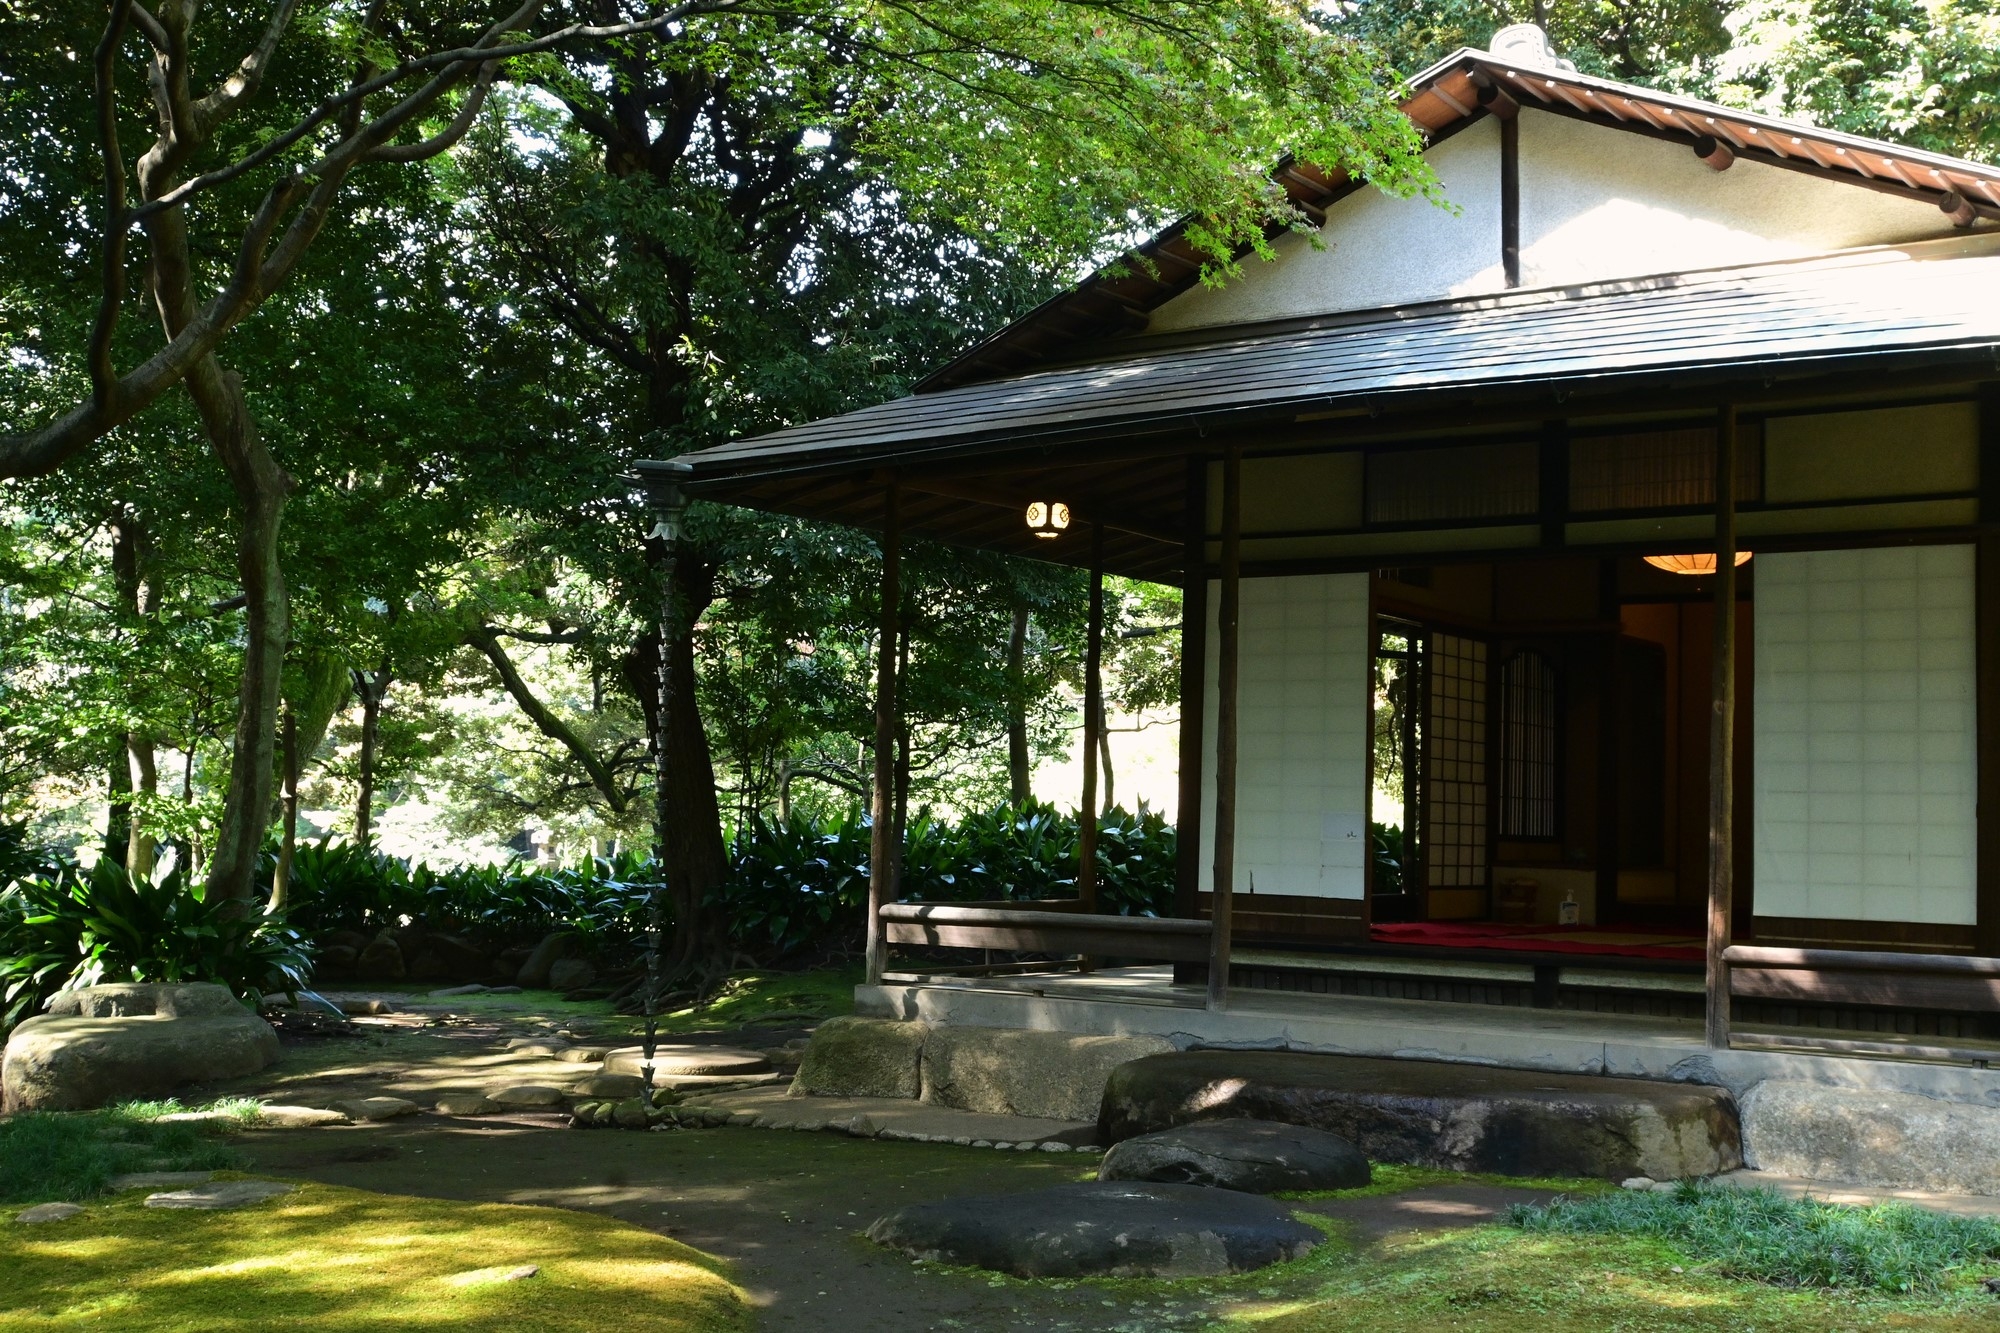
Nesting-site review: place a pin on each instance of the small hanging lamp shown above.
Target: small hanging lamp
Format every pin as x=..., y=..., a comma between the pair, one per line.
x=1700, y=563
x=1048, y=519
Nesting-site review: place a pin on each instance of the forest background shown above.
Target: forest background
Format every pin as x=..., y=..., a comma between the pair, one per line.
x=629, y=247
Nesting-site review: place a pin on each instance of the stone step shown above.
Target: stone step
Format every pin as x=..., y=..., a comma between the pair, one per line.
x=893, y=1118
x=1427, y=1113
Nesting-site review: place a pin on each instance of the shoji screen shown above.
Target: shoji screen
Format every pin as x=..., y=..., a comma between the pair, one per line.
x=1302, y=746
x=1866, y=768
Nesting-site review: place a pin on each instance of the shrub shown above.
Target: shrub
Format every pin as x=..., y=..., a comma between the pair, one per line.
x=82, y=928
x=1754, y=1233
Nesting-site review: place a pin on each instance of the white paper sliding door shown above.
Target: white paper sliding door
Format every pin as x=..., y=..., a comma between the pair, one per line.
x=1302, y=747
x=1866, y=761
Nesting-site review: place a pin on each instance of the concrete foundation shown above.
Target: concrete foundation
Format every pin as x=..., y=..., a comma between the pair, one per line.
x=1811, y=1101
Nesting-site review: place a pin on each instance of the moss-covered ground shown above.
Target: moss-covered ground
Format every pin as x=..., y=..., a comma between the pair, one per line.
x=331, y=1260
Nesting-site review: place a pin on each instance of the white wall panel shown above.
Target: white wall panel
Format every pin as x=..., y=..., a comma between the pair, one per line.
x=1866, y=761
x=1302, y=737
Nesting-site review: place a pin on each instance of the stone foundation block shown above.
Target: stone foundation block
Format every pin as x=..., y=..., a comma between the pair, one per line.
x=862, y=1057
x=1427, y=1113
x=1015, y=1071
x=1891, y=1140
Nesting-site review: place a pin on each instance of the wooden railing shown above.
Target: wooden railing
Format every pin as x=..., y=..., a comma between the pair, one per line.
x=1063, y=931
x=1954, y=982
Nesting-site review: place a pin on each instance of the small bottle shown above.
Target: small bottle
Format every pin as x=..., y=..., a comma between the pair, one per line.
x=1568, y=911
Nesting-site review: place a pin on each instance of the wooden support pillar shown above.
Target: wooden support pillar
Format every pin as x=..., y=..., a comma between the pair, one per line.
x=1986, y=594
x=1194, y=690
x=1510, y=199
x=1228, y=608
x=1722, y=735
x=882, y=806
x=1093, y=726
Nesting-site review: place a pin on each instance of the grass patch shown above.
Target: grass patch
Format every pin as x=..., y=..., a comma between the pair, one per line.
x=47, y=1156
x=332, y=1260
x=1756, y=1234
x=782, y=999
x=1502, y=1280
x=1390, y=1178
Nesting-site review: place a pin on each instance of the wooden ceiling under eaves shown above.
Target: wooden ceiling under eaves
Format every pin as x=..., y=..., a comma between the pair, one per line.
x=1141, y=504
x=1451, y=94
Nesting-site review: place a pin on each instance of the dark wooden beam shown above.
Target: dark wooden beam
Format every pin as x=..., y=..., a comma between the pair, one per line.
x=1225, y=728
x=882, y=806
x=1714, y=152
x=1722, y=737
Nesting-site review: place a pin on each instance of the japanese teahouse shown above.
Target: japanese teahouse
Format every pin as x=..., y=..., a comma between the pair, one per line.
x=1639, y=511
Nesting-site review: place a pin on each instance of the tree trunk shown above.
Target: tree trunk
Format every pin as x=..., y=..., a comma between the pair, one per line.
x=281, y=879
x=1019, y=768
x=692, y=856
x=372, y=688
x=133, y=771
x=261, y=487
x=141, y=848
x=118, y=821
x=1104, y=759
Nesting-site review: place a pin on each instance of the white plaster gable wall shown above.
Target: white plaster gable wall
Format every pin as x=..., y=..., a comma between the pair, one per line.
x=1302, y=736
x=1596, y=203
x=1866, y=776
x=1378, y=251
x=1602, y=203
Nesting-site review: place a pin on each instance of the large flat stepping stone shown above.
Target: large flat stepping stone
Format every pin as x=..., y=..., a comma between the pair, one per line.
x=527, y=1097
x=895, y=1118
x=1426, y=1113
x=363, y=1109
x=1101, y=1229
x=47, y=1212
x=220, y=1195
x=296, y=1117
x=1255, y=1156
x=690, y=1062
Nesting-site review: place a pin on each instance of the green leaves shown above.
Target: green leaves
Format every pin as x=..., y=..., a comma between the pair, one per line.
x=73, y=927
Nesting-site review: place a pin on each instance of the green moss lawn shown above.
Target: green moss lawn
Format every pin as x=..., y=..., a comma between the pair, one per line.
x=331, y=1260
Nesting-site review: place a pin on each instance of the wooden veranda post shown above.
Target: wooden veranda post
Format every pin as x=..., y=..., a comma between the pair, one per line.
x=1225, y=728
x=1722, y=735
x=882, y=805
x=1093, y=711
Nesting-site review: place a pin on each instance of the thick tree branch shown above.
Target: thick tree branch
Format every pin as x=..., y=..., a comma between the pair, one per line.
x=475, y=98
x=242, y=85
x=487, y=641
x=477, y=54
x=103, y=376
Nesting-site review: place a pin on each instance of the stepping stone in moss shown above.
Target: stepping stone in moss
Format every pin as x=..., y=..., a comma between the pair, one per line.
x=1101, y=1229
x=376, y=1108
x=527, y=1097
x=221, y=1194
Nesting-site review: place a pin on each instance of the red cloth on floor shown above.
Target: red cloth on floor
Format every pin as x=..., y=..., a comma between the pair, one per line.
x=1534, y=938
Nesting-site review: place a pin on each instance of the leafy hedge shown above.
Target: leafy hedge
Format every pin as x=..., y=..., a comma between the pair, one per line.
x=792, y=886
